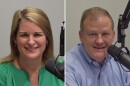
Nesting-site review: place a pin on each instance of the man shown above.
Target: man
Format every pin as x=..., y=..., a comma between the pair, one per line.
x=88, y=63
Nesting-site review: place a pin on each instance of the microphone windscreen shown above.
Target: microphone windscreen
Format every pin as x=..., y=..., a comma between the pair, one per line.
x=56, y=68
x=114, y=51
x=50, y=66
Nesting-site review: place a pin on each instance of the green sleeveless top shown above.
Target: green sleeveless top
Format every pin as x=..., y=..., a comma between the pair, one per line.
x=12, y=76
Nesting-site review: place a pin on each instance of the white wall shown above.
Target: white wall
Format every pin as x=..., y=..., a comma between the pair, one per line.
x=53, y=8
x=55, y=11
x=74, y=9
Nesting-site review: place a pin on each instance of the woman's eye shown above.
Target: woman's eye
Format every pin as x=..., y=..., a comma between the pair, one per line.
x=37, y=35
x=24, y=35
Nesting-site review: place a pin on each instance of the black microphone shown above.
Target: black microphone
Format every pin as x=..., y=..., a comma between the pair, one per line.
x=56, y=68
x=53, y=66
x=119, y=55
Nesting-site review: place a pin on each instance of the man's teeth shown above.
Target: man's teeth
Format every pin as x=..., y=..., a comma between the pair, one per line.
x=99, y=47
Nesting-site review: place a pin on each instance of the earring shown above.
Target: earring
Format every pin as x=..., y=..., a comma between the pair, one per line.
x=15, y=46
x=46, y=44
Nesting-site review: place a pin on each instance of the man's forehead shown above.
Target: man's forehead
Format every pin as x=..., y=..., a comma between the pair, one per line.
x=102, y=20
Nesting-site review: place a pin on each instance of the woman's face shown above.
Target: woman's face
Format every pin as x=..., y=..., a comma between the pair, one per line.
x=30, y=40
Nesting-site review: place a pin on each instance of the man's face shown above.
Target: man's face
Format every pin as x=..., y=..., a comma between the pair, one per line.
x=97, y=36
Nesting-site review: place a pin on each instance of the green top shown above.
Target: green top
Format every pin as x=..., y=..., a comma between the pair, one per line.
x=12, y=76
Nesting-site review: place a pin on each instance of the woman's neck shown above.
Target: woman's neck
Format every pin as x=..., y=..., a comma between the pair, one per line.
x=28, y=65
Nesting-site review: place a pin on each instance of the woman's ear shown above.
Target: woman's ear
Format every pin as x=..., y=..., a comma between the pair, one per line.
x=46, y=42
x=15, y=40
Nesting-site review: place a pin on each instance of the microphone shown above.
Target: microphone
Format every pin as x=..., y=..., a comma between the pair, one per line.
x=53, y=66
x=119, y=55
x=56, y=68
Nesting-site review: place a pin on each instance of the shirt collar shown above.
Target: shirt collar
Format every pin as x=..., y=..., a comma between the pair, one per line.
x=88, y=58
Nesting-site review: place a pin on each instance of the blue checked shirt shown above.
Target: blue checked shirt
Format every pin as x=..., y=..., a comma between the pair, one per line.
x=83, y=71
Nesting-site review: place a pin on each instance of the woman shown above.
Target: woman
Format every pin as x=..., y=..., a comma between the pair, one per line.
x=31, y=46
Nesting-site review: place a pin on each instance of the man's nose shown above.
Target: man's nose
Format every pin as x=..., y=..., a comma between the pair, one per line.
x=99, y=40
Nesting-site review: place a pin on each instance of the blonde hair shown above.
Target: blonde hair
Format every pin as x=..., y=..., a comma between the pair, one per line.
x=38, y=17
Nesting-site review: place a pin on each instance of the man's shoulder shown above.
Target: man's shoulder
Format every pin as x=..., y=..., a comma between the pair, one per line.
x=74, y=56
x=73, y=52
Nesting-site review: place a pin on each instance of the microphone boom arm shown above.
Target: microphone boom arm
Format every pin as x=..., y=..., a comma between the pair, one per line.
x=123, y=24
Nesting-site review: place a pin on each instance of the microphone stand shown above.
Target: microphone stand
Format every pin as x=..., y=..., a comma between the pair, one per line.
x=53, y=66
x=122, y=25
x=59, y=67
x=118, y=54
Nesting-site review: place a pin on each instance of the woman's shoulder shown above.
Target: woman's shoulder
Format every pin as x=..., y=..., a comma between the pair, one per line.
x=4, y=72
x=46, y=76
x=4, y=67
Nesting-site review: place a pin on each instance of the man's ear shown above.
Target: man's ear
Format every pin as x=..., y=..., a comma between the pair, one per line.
x=113, y=35
x=80, y=35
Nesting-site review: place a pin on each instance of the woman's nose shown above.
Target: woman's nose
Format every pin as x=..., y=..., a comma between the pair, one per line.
x=31, y=40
